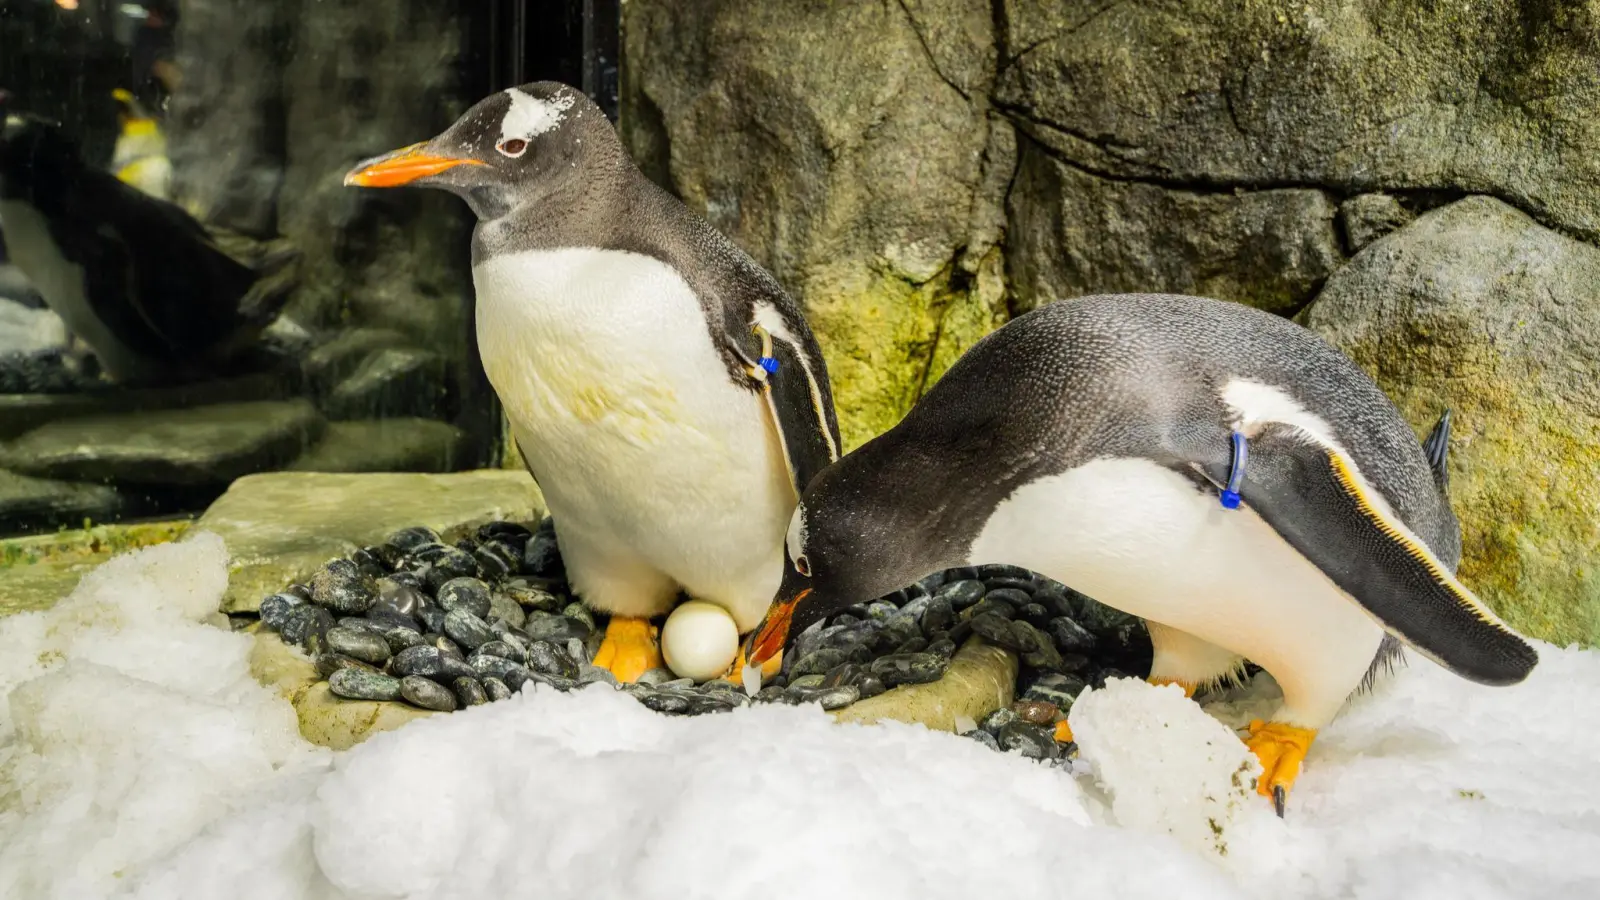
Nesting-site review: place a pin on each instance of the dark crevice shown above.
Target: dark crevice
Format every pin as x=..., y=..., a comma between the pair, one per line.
x=927, y=51
x=1416, y=199
x=1007, y=59
x=1233, y=114
x=1002, y=37
x=1005, y=206
x=960, y=283
x=927, y=364
x=1026, y=120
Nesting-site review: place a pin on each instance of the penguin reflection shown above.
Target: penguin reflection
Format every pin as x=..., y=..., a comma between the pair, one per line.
x=134, y=278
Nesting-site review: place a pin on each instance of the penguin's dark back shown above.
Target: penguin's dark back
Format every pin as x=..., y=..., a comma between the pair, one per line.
x=185, y=290
x=1142, y=375
x=152, y=273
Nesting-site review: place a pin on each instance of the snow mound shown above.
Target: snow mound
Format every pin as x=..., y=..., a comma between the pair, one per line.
x=129, y=725
x=139, y=759
x=1166, y=765
x=592, y=794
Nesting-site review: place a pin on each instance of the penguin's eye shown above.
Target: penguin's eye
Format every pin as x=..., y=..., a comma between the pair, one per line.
x=802, y=565
x=512, y=147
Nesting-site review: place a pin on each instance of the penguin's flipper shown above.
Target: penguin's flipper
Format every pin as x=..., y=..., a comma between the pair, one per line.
x=799, y=404
x=1437, y=449
x=1316, y=498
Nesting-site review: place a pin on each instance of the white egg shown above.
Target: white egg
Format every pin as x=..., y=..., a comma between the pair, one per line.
x=699, y=640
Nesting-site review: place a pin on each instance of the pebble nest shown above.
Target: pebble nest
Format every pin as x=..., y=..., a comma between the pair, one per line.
x=444, y=625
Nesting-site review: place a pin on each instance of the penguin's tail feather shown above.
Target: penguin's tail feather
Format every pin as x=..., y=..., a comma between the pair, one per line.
x=1437, y=449
x=1316, y=498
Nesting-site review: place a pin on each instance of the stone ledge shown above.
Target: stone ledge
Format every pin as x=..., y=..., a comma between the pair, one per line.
x=325, y=720
x=280, y=526
x=981, y=679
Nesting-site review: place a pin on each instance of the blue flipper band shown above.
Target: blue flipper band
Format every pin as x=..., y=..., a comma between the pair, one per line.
x=1241, y=452
x=769, y=363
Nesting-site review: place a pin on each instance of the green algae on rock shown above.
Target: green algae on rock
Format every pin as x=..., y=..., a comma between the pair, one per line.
x=39, y=570
x=888, y=340
x=1477, y=307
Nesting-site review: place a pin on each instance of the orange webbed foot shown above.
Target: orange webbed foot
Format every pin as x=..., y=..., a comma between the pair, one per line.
x=631, y=648
x=1281, y=748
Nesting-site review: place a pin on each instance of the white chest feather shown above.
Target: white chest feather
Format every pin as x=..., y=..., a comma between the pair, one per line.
x=624, y=409
x=60, y=282
x=1139, y=537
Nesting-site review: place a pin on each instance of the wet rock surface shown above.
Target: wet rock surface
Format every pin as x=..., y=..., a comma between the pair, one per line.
x=209, y=445
x=445, y=626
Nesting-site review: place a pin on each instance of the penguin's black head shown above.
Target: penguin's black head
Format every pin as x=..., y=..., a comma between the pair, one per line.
x=37, y=158
x=513, y=147
x=850, y=541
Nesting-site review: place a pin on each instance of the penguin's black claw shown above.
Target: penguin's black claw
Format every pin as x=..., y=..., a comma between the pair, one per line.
x=1279, y=798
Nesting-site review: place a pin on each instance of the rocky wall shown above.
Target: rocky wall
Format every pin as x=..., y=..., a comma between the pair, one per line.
x=1402, y=176
x=279, y=99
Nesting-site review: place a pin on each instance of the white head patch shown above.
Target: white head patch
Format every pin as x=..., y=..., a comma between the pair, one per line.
x=796, y=538
x=530, y=117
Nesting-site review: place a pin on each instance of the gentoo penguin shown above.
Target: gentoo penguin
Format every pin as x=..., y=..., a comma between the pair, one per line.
x=140, y=156
x=663, y=390
x=1218, y=471
x=135, y=278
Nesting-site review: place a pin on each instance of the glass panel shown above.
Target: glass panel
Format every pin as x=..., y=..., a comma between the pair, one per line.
x=188, y=292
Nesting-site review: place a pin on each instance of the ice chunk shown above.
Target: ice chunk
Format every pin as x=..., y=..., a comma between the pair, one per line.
x=1165, y=764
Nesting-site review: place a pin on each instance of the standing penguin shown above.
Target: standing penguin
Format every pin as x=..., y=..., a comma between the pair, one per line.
x=662, y=388
x=1219, y=471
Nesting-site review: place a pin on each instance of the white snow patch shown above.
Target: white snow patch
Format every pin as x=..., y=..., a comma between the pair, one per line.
x=139, y=759
x=130, y=726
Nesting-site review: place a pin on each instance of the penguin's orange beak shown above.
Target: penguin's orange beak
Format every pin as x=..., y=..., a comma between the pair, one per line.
x=773, y=632
x=403, y=167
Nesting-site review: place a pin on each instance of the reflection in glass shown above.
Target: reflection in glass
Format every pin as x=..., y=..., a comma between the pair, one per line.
x=187, y=293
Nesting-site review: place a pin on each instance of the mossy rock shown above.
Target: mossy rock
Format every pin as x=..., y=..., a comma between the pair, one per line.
x=1218, y=96
x=1478, y=308
x=850, y=149
x=887, y=340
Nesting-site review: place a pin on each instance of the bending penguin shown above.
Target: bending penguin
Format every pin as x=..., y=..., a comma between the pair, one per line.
x=663, y=390
x=1219, y=471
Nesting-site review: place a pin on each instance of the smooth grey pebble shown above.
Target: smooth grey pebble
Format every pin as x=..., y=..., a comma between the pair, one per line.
x=496, y=689
x=359, y=644
x=467, y=629
x=426, y=693
x=360, y=684
x=469, y=594
x=469, y=692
